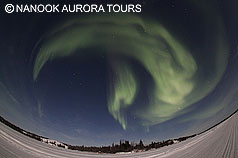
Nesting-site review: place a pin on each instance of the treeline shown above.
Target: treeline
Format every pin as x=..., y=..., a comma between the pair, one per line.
x=126, y=146
x=18, y=129
x=123, y=146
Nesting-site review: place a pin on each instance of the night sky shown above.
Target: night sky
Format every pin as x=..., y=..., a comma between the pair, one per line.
x=93, y=79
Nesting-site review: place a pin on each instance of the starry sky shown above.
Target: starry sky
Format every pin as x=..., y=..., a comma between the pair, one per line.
x=93, y=79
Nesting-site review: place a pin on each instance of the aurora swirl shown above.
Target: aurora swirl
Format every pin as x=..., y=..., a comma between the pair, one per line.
x=172, y=66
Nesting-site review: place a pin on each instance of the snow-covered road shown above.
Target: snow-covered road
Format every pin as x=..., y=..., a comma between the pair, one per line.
x=219, y=142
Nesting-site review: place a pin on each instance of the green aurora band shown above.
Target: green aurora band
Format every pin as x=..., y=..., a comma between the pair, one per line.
x=171, y=65
x=125, y=87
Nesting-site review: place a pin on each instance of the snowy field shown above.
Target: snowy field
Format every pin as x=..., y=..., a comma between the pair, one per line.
x=219, y=142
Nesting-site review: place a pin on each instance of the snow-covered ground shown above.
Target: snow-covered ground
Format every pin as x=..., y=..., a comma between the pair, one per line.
x=54, y=142
x=219, y=142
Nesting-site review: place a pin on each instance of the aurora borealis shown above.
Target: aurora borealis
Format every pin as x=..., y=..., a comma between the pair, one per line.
x=158, y=73
x=171, y=66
